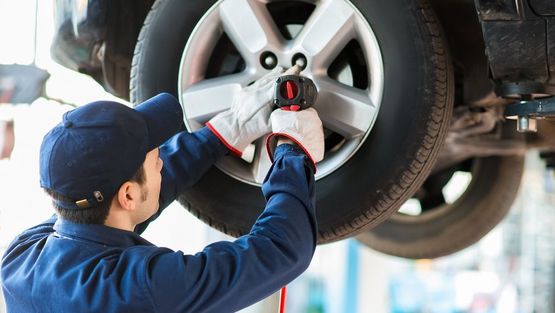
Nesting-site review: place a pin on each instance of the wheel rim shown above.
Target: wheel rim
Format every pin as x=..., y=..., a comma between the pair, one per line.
x=440, y=191
x=245, y=38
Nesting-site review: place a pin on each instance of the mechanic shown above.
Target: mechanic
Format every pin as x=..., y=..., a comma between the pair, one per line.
x=111, y=170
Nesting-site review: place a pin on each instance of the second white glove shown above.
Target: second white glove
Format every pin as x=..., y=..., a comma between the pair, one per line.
x=248, y=117
x=303, y=127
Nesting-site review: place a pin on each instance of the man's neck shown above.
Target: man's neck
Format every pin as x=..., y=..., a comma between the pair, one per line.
x=119, y=222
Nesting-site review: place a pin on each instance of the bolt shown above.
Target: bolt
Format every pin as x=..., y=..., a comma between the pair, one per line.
x=526, y=125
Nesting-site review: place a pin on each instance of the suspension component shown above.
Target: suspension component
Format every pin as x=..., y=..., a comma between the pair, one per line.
x=527, y=111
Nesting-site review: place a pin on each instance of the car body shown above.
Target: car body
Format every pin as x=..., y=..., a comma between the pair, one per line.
x=457, y=63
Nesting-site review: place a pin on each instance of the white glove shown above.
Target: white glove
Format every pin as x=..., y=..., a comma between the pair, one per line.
x=248, y=117
x=303, y=127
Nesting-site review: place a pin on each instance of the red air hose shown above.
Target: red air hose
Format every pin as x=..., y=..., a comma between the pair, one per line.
x=282, y=295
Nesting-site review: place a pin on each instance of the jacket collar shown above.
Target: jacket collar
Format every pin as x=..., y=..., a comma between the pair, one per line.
x=101, y=234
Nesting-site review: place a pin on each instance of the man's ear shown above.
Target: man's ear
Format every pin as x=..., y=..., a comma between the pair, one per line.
x=128, y=196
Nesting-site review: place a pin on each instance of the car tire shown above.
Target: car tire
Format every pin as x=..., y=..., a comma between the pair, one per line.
x=388, y=168
x=449, y=228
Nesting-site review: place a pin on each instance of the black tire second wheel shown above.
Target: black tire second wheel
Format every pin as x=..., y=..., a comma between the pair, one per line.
x=444, y=228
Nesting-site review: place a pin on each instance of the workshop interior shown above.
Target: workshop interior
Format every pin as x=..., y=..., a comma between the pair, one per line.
x=436, y=192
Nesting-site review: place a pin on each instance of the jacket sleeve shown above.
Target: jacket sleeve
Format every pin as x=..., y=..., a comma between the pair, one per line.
x=228, y=276
x=186, y=156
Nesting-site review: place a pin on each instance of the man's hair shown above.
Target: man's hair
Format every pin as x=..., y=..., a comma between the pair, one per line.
x=95, y=214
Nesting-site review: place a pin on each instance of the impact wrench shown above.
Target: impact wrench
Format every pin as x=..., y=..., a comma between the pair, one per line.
x=293, y=93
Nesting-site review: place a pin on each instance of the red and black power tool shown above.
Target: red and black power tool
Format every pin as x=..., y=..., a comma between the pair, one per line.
x=294, y=93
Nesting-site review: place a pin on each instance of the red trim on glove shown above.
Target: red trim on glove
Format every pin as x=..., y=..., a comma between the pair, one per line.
x=222, y=139
x=295, y=141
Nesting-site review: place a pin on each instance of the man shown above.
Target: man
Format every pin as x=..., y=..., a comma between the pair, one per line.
x=109, y=178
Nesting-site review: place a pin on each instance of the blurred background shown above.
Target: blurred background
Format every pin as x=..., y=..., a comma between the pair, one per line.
x=509, y=270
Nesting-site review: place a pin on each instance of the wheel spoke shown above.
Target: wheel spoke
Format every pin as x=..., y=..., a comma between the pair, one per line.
x=209, y=97
x=327, y=31
x=250, y=27
x=343, y=109
x=261, y=163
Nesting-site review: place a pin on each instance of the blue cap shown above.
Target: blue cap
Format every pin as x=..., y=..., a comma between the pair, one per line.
x=99, y=146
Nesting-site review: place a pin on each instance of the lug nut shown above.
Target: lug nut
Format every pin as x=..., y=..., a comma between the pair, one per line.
x=268, y=60
x=300, y=60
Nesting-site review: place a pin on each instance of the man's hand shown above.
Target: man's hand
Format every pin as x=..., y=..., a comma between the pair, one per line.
x=249, y=116
x=304, y=128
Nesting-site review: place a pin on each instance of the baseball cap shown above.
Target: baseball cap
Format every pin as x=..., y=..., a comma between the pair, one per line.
x=99, y=146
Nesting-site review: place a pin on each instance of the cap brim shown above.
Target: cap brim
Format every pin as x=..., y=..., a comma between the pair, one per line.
x=164, y=117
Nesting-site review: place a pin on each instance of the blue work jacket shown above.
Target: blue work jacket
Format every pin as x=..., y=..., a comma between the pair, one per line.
x=60, y=266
